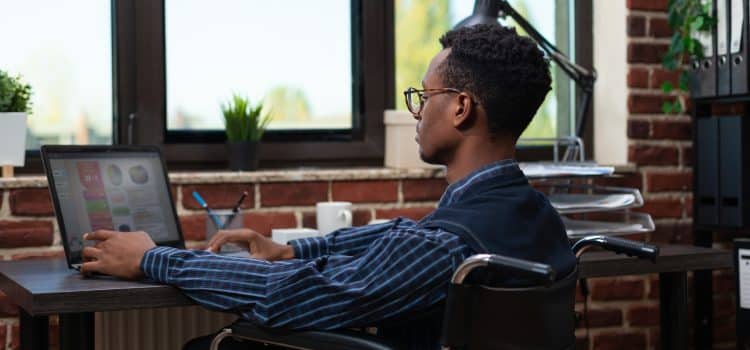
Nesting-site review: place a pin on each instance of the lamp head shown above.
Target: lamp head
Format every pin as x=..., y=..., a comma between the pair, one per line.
x=485, y=12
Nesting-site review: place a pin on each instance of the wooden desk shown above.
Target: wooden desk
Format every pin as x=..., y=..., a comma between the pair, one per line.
x=46, y=287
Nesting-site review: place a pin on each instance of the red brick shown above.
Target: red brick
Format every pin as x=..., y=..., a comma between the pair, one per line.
x=222, y=196
x=686, y=159
x=15, y=337
x=653, y=286
x=660, y=182
x=3, y=335
x=193, y=227
x=646, y=53
x=616, y=289
x=16, y=234
x=39, y=255
x=7, y=308
x=636, y=26
x=582, y=343
x=662, y=208
x=423, y=190
x=365, y=191
x=660, y=75
x=603, y=317
x=648, y=5
x=264, y=222
x=411, y=213
x=646, y=103
x=659, y=28
x=673, y=233
x=623, y=340
x=639, y=129
x=653, y=155
x=723, y=283
x=360, y=217
x=293, y=193
x=643, y=315
x=719, y=109
x=54, y=336
x=638, y=78
x=688, y=207
x=634, y=180
x=724, y=307
x=31, y=202
x=672, y=130
x=724, y=331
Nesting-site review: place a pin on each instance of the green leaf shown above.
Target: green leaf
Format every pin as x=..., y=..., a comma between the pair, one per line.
x=667, y=87
x=684, y=81
x=677, y=107
x=666, y=107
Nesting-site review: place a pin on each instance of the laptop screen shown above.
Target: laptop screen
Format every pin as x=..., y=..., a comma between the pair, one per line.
x=122, y=191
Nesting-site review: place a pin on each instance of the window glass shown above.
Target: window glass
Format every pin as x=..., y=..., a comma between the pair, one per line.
x=294, y=55
x=62, y=49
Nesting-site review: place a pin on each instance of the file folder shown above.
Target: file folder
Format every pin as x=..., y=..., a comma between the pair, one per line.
x=742, y=280
x=707, y=171
x=703, y=71
x=738, y=47
x=724, y=83
x=731, y=152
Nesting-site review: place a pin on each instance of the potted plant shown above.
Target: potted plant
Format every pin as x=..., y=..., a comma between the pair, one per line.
x=15, y=104
x=244, y=125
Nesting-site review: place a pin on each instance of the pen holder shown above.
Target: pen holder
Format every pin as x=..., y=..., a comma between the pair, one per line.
x=229, y=220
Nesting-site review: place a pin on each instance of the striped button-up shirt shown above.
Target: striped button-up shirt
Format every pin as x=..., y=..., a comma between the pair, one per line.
x=350, y=278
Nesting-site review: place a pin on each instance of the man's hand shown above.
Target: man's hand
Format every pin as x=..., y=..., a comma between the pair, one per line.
x=259, y=246
x=116, y=253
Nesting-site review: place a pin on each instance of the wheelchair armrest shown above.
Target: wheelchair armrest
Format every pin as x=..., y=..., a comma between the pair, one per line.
x=619, y=246
x=309, y=339
x=539, y=272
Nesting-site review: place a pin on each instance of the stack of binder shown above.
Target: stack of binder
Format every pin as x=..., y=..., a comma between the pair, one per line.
x=723, y=69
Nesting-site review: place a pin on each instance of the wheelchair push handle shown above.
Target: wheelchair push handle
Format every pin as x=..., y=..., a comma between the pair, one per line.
x=619, y=246
x=537, y=272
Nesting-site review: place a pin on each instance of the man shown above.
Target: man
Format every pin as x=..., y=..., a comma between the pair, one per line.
x=479, y=94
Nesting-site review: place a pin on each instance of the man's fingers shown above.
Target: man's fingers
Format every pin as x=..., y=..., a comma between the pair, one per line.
x=99, y=235
x=218, y=241
x=91, y=253
x=90, y=267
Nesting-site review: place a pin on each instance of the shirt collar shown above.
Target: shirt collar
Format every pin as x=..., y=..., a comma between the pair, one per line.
x=454, y=191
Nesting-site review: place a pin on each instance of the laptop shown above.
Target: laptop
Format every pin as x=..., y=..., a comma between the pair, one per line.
x=121, y=188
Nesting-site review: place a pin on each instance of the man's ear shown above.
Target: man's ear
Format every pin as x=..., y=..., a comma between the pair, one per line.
x=464, y=113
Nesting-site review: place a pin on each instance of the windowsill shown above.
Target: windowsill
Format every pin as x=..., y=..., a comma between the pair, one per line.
x=298, y=175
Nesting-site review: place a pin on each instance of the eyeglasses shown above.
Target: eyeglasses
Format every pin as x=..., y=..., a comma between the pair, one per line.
x=415, y=99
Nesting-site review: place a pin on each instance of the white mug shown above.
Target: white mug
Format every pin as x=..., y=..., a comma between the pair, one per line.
x=332, y=216
x=284, y=235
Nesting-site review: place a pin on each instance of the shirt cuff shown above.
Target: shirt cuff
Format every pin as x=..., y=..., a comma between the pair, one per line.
x=309, y=248
x=155, y=263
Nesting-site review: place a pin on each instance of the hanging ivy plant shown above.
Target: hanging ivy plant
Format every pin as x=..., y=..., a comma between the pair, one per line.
x=687, y=18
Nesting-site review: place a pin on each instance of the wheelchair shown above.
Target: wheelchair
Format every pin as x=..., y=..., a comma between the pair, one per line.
x=475, y=316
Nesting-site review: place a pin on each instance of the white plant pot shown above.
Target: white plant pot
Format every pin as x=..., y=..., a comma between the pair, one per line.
x=12, y=138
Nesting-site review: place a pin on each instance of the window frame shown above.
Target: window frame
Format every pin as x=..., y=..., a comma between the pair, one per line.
x=139, y=90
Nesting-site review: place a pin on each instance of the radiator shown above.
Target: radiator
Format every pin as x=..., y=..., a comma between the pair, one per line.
x=155, y=329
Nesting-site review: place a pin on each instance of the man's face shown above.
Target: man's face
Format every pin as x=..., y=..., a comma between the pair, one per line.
x=436, y=135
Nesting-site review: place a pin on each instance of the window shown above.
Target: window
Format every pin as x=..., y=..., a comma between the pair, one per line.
x=63, y=50
x=294, y=56
x=419, y=24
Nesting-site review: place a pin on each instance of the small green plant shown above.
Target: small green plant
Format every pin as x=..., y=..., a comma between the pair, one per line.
x=243, y=121
x=687, y=18
x=15, y=96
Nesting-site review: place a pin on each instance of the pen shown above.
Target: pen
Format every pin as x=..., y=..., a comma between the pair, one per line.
x=235, y=210
x=210, y=212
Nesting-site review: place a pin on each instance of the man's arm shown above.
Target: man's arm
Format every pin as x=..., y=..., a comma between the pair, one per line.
x=348, y=241
x=400, y=273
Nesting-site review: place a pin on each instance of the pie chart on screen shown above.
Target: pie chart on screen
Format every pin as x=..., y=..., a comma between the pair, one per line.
x=138, y=174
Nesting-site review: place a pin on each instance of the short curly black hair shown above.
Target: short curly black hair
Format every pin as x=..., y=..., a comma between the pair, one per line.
x=506, y=72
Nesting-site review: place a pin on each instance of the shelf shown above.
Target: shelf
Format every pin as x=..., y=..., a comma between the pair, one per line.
x=551, y=170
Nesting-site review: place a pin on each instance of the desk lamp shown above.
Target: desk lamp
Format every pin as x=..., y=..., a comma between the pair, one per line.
x=488, y=11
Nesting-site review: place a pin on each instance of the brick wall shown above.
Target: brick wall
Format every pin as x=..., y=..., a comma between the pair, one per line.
x=28, y=228
x=624, y=312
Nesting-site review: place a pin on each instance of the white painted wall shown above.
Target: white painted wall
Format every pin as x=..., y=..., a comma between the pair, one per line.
x=610, y=90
